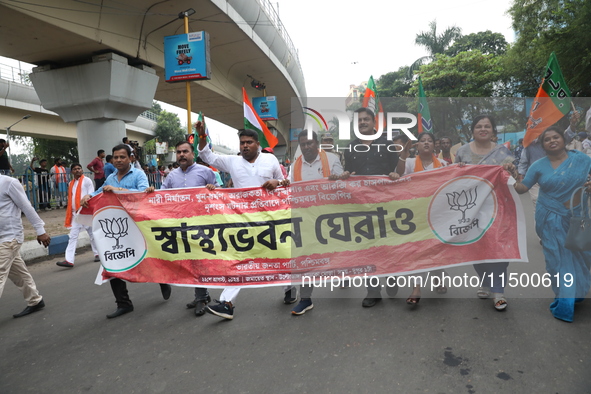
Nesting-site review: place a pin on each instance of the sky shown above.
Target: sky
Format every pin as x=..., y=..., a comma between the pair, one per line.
x=343, y=42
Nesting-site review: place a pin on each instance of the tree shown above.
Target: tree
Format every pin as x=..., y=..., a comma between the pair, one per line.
x=168, y=128
x=395, y=83
x=156, y=107
x=486, y=42
x=561, y=26
x=465, y=85
x=468, y=74
x=434, y=43
x=52, y=149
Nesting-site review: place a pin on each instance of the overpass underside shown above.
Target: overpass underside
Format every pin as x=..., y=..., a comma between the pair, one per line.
x=244, y=40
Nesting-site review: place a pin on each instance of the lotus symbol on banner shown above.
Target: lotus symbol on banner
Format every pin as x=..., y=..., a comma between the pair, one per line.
x=114, y=228
x=462, y=202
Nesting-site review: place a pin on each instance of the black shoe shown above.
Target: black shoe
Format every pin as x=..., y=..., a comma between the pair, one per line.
x=97, y=258
x=166, y=290
x=193, y=303
x=369, y=302
x=222, y=309
x=64, y=263
x=291, y=296
x=200, y=308
x=30, y=309
x=392, y=290
x=120, y=311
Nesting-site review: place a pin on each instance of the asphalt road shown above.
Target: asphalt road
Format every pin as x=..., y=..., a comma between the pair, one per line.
x=454, y=343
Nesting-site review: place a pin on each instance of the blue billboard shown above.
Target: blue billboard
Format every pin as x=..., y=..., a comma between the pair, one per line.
x=265, y=107
x=186, y=57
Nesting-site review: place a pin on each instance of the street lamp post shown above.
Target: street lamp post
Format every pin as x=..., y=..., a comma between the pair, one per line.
x=8, y=134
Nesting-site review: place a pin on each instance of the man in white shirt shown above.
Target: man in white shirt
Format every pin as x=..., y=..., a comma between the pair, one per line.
x=13, y=201
x=80, y=186
x=311, y=165
x=250, y=169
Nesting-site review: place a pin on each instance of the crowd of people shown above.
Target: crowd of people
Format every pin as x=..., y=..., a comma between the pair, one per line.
x=548, y=164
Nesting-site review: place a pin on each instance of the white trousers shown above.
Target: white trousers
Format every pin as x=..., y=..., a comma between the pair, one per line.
x=74, y=232
x=230, y=293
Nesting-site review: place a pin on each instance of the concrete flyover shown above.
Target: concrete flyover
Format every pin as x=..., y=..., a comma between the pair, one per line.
x=18, y=99
x=105, y=50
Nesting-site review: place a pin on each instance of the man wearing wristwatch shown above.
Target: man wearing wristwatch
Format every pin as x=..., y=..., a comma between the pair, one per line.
x=127, y=178
x=250, y=169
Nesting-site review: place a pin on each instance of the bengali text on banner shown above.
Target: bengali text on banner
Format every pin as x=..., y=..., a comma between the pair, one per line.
x=363, y=225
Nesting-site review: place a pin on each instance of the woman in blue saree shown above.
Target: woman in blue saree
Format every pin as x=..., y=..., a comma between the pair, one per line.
x=559, y=174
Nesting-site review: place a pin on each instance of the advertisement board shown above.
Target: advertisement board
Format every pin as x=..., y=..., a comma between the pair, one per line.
x=266, y=107
x=186, y=57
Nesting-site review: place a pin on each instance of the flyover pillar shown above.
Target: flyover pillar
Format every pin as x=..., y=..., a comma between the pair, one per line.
x=100, y=97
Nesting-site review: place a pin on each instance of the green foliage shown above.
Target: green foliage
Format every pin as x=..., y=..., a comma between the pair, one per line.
x=562, y=26
x=434, y=43
x=156, y=107
x=52, y=149
x=468, y=74
x=169, y=128
x=20, y=163
x=486, y=42
x=395, y=83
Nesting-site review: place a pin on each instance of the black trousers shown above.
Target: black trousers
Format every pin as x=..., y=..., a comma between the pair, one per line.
x=99, y=182
x=119, y=288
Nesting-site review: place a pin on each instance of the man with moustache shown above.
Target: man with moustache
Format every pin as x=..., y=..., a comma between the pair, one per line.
x=371, y=156
x=190, y=174
x=311, y=165
x=79, y=186
x=250, y=169
x=127, y=178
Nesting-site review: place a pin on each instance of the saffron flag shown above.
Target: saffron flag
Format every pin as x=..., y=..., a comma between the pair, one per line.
x=424, y=118
x=253, y=122
x=371, y=99
x=552, y=102
x=452, y=216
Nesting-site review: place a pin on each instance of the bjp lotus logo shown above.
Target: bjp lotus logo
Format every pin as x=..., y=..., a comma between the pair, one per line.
x=114, y=228
x=462, y=201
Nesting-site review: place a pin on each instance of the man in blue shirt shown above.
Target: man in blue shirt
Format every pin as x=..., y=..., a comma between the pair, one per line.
x=131, y=179
x=109, y=167
x=190, y=174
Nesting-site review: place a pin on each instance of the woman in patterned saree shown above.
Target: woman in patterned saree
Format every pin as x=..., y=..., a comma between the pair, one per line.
x=483, y=151
x=559, y=174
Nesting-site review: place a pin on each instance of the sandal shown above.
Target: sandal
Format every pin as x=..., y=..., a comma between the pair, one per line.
x=413, y=300
x=482, y=293
x=500, y=302
x=441, y=289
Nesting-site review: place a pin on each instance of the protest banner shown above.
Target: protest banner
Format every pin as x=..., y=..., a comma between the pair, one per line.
x=364, y=225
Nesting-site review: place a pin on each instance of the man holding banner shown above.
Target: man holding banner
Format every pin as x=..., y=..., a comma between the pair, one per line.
x=127, y=178
x=376, y=160
x=250, y=169
x=312, y=164
x=190, y=174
